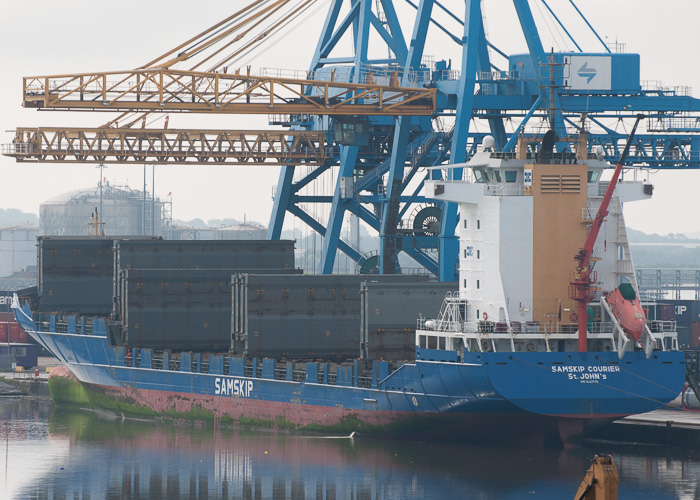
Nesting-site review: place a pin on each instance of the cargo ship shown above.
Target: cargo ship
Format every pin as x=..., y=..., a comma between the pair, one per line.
x=545, y=336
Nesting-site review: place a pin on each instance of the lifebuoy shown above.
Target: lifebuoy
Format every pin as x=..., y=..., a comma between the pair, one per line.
x=486, y=315
x=485, y=345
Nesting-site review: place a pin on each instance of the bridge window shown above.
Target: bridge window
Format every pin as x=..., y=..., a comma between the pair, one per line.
x=442, y=343
x=497, y=175
x=432, y=342
x=480, y=175
x=511, y=175
x=593, y=175
x=422, y=341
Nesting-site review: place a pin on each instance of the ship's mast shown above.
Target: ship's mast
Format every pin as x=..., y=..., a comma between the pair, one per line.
x=96, y=228
x=580, y=288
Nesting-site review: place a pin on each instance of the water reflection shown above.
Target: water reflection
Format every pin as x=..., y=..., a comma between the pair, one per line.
x=58, y=454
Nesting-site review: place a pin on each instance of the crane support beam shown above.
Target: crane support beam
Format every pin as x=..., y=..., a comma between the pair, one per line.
x=168, y=146
x=168, y=90
x=388, y=243
x=272, y=147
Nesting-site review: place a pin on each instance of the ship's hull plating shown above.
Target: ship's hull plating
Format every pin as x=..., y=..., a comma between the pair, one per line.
x=490, y=395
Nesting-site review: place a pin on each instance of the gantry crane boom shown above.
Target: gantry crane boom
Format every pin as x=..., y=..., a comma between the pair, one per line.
x=168, y=146
x=170, y=90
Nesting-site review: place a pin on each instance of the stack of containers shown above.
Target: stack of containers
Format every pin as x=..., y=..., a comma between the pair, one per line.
x=686, y=314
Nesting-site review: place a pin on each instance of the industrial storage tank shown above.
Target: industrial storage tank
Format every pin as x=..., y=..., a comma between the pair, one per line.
x=124, y=211
x=242, y=231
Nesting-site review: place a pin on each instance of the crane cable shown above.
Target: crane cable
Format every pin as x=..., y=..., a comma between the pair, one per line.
x=142, y=116
x=229, y=19
x=291, y=30
x=266, y=13
x=262, y=36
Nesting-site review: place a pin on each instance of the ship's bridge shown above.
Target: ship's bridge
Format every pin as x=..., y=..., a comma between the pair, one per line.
x=522, y=219
x=496, y=173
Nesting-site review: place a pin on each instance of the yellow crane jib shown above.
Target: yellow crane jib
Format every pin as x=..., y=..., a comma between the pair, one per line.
x=601, y=480
x=171, y=90
x=168, y=146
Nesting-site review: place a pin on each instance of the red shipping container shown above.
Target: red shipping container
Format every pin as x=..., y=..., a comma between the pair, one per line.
x=3, y=333
x=23, y=337
x=16, y=333
x=695, y=334
x=7, y=316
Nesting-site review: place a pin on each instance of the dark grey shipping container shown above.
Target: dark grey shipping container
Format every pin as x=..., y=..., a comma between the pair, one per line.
x=301, y=317
x=684, y=336
x=81, y=274
x=178, y=309
x=224, y=254
x=75, y=274
x=70, y=256
x=239, y=255
x=389, y=314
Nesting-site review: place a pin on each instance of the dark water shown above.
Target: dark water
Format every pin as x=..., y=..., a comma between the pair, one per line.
x=56, y=454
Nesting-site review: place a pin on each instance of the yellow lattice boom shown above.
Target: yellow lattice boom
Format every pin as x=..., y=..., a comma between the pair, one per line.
x=167, y=146
x=170, y=90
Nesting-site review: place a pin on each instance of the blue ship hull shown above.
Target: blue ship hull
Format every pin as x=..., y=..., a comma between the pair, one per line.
x=526, y=395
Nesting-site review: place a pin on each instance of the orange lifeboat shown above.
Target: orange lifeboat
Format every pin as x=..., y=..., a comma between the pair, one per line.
x=624, y=303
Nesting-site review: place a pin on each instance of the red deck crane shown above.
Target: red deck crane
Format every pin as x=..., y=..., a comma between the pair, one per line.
x=580, y=287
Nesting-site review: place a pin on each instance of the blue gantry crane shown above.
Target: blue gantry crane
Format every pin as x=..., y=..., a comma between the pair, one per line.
x=371, y=115
x=379, y=180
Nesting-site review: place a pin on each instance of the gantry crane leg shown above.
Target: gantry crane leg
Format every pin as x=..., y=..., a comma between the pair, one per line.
x=348, y=157
x=388, y=241
x=448, y=243
x=281, y=202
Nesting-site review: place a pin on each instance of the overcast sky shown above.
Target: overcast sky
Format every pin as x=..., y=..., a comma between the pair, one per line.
x=47, y=37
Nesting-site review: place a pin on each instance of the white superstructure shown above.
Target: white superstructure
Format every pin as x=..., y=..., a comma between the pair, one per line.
x=521, y=224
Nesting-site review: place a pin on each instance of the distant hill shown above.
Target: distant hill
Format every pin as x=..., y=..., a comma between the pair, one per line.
x=635, y=236
x=693, y=236
x=13, y=217
x=670, y=251
x=666, y=257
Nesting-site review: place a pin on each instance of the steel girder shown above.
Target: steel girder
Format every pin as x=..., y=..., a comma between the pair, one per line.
x=359, y=20
x=169, y=90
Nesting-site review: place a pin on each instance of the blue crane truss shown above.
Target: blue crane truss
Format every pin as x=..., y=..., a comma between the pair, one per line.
x=379, y=170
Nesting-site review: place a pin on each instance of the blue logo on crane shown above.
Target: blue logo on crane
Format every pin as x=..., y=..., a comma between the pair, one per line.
x=586, y=72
